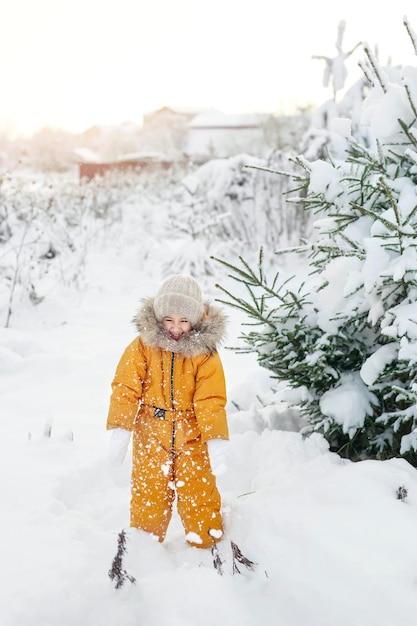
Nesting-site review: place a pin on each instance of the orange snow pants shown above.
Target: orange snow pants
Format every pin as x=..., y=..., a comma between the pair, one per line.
x=170, y=461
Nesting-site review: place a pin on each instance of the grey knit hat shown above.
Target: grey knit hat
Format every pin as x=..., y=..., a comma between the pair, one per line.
x=179, y=295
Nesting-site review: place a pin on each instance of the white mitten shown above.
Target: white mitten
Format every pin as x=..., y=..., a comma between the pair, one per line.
x=118, y=445
x=218, y=450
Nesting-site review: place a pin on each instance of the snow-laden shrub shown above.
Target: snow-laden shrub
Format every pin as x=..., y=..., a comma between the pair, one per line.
x=235, y=200
x=49, y=225
x=345, y=329
x=225, y=207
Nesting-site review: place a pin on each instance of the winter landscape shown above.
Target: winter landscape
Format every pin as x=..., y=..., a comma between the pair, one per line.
x=329, y=521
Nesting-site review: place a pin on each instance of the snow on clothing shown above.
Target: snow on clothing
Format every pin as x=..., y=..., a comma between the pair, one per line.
x=172, y=394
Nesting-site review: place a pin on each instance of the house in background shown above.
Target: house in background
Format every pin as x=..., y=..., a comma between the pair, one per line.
x=90, y=165
x=217, y=135
x=176, y=135
x=166, y=129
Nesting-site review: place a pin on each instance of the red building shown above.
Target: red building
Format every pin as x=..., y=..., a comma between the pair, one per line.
x=89, y=170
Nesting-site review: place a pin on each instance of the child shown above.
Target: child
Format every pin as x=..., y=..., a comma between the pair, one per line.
x=169, y=389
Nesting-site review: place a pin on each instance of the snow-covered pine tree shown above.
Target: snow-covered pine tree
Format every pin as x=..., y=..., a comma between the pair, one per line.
x=345, y=335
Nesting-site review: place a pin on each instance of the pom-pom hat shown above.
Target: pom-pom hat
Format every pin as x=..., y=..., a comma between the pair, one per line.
x=179, y=295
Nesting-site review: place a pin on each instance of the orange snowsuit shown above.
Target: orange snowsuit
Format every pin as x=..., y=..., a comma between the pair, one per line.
x=172, y=395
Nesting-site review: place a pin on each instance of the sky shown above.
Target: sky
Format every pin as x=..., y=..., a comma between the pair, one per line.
x=75, y=63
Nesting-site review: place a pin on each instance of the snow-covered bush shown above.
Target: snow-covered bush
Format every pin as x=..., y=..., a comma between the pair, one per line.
x=49, y=225
x=230, y=206
x=242, y=204
x=344, y=331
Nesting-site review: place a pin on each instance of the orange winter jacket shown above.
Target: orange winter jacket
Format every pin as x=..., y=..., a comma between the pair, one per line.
x=181, y=378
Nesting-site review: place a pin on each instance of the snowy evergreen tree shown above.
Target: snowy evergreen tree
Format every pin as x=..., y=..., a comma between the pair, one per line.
x=344, y=330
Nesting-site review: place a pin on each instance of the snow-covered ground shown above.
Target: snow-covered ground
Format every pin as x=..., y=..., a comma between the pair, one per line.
x=333, y=543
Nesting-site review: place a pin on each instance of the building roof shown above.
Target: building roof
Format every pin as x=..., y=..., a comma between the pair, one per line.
x=141, y=156
x=86, y=155
x=222, y=120
x=187, y=111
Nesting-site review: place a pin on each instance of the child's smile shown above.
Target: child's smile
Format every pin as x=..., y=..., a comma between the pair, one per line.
x=176, y=326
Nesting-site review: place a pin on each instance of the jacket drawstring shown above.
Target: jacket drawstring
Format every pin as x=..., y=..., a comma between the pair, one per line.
x=172, y=405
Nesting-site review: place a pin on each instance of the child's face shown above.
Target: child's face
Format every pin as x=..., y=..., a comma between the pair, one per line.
x=176, y=326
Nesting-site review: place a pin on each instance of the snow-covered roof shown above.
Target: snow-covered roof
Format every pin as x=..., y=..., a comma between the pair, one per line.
x=185, y=110
x=138, y=156
x=86, y=155
x=221, y=120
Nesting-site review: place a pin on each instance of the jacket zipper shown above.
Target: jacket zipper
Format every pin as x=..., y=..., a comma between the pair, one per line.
x=172, y=403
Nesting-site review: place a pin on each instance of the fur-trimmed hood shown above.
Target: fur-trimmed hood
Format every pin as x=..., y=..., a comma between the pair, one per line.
x=204, y=338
